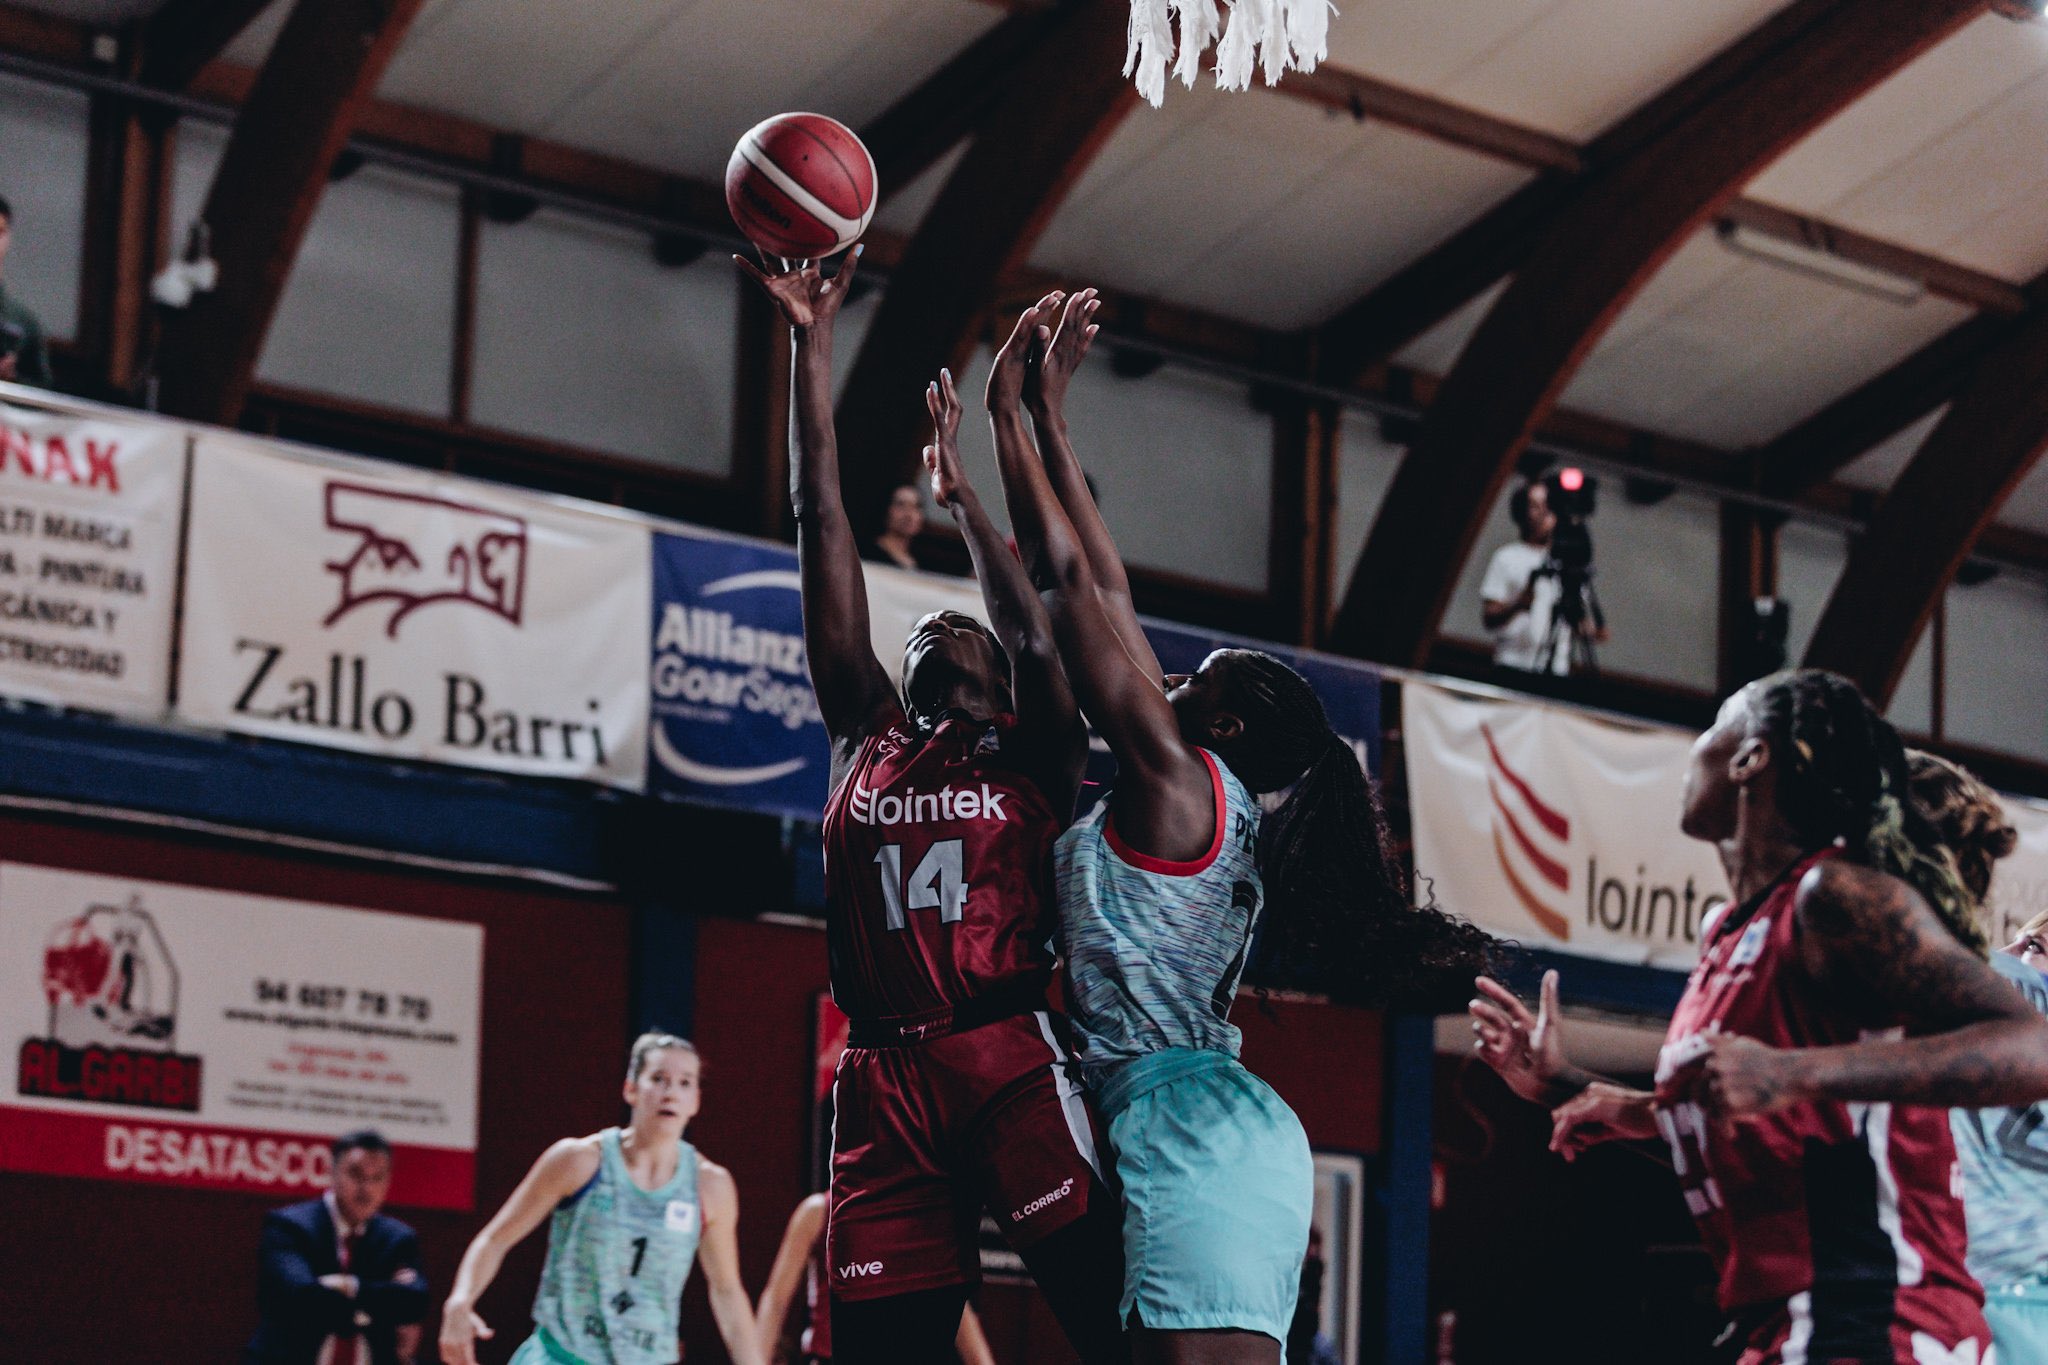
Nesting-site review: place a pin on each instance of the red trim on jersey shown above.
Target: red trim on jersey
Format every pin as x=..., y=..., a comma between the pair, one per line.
x=1145, y=862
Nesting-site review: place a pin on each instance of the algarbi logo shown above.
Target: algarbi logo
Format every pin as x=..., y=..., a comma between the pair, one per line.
x=1538, y=832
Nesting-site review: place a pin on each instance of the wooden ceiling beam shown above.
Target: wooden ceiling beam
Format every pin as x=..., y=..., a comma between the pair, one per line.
x=1626, y=220
x=182, y=37
x=910, y=137
x=1934, y=515
x=298, y=117
x=1055, y=111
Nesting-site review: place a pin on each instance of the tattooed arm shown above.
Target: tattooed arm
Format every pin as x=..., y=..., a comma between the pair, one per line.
x=1976, y=1041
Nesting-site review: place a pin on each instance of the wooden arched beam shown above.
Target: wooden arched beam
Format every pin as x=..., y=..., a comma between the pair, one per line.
x=1057, y=108
x=1624, y=222
x=1823, y=444
x=182, y=37
x=318, y=79
x=1930, y=520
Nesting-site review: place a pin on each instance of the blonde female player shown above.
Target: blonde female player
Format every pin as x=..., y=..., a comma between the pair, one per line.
x=630, y=1209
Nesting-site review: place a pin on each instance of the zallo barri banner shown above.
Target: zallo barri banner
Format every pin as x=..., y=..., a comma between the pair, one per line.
x=377, y=609
x=181, y=1036
x=1555, y=828
x=88, y=559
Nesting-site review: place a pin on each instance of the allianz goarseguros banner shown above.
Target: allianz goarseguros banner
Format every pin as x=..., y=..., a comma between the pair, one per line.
x=1560, y=830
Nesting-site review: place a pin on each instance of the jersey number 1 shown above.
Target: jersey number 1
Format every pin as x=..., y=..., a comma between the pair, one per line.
x=939, y=882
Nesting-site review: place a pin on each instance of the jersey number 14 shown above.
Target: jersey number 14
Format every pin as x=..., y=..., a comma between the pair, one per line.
x=938, y=882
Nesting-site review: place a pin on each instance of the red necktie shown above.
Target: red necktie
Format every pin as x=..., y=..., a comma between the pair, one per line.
x=345, y=1337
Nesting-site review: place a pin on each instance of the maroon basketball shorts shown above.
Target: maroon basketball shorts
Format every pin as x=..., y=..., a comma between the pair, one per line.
x=925, y=1136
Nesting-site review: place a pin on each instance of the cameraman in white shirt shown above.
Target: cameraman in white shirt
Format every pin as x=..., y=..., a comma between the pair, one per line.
x=1518, y=602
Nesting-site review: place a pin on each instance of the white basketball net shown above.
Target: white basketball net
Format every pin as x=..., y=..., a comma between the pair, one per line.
x=1274, y=35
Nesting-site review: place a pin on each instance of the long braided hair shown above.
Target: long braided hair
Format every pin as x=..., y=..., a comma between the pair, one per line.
x=1843, y=776
x=1339, y=916
x=1967, y=814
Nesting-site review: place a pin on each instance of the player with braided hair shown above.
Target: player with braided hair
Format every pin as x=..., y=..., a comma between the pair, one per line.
x=1160, y=891
x=1839, y=994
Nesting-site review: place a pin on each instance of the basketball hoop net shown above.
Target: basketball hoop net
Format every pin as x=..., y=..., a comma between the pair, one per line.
x=1275, y=35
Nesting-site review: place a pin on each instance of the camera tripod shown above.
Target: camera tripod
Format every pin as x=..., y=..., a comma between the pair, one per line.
x=1576, y=601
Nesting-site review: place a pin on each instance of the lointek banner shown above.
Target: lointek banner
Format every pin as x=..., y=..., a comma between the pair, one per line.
x=89, y=510
x=176, y=1035
x=1556, y=829
x=394, y=612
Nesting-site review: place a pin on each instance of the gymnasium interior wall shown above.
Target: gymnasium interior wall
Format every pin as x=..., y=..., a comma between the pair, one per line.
x=43, y=136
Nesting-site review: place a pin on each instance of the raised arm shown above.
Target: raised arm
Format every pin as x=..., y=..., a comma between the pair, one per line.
x=1166, y=807
x=561, y=1171
x=851, y=685
x=1045, y=396
x=1971, y=1041
x=1045, y=703
x=1527, y=1050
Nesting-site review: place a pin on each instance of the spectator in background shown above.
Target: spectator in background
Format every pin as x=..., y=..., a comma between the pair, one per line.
x=341, y=1282
x=901, y=526
x=24, y=354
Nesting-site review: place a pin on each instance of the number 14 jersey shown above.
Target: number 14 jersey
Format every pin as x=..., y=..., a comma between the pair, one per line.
x=938, y=871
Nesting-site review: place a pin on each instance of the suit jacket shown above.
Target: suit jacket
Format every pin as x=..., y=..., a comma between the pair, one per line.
x=298, y=1314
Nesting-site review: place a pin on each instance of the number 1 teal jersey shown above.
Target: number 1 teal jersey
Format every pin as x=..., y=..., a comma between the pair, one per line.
x=611, y=1292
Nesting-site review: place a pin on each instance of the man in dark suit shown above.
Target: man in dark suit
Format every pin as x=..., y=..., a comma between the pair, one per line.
x=341, y=1283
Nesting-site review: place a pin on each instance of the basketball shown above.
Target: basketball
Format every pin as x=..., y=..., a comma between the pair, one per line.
x=800, y=186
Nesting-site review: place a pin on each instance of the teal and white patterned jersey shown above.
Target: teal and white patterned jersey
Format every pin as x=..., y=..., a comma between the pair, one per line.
x=611, y=1292
x=1154, y=949
x=2004, y=1158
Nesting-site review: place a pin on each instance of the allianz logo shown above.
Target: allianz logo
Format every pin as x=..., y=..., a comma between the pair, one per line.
x=706, y=634
x=917, y=808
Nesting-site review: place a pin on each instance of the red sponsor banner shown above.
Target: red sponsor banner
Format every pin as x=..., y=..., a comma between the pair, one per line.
x=208, y=1157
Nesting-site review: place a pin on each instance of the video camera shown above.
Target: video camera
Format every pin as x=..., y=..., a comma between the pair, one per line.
x=1571, y=495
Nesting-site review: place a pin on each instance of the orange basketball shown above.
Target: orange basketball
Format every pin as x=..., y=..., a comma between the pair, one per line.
x=800, y=186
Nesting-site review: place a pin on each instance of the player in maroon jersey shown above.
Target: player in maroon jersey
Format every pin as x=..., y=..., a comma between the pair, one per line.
x=954, y=1092
x=1836, y=1003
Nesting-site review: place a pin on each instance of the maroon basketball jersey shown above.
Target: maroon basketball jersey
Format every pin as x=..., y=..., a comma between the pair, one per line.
x=938, y=871
x=1846, y=1215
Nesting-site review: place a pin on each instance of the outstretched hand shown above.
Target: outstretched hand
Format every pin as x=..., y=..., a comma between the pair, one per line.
x=1526, y=1049
x=805, y=297
x=1046, y=387
x=1603, y=1112
x=942, y=456
x=1023, y=352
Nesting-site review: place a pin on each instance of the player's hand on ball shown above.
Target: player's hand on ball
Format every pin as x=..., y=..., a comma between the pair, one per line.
x=942, y=456
x=460, y=1330
x=1604, y=1112
x=804, y=296
x=1738, y=1077
x=1021, y=353
x=1046, y=389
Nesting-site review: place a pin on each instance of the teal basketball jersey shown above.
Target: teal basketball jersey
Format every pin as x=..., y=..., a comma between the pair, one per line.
x=611, y=1292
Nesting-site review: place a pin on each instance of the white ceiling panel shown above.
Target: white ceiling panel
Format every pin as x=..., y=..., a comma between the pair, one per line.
x=1943, y=156
x=1435, y=351
x=1885, y=462
x=904, y=210
x=1733, y=351
x=511, y=64
x=1301, y=210
x=683, y=94
x=1571, y=67
x=2028, y=505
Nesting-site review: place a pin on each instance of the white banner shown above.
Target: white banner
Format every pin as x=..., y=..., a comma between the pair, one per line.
x=178, y=1035
x=1556, y=829
x=400, y=613
x=88, y=559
